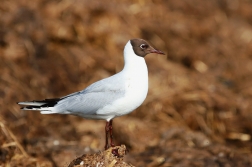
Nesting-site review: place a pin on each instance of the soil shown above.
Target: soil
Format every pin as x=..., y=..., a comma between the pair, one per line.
x=198, y=110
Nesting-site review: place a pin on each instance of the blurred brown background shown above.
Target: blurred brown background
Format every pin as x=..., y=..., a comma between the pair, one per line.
x=198, y=111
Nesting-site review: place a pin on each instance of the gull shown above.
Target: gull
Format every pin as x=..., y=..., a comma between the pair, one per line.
x=108, y=98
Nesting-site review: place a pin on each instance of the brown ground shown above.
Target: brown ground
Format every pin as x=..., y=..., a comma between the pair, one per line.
x=199, y=107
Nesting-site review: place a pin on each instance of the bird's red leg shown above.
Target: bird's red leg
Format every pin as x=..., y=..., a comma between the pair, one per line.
x=111, y=134
x=114, y=151
x=107, y=129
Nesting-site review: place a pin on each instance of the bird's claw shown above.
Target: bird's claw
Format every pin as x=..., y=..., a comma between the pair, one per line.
x=115, y=152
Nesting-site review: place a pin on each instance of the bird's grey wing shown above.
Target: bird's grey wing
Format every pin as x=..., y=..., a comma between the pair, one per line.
x=94, y=97
x=113, y=83
x=87, y=103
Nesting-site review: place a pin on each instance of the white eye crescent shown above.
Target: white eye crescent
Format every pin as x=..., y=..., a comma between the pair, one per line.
x=143, y=46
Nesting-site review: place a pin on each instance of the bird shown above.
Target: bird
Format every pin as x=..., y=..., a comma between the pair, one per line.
x=108, y=98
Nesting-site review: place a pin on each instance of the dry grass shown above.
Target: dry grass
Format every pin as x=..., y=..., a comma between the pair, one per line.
x=199, y=102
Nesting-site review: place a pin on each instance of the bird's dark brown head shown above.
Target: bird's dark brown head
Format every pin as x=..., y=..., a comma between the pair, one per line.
x=142, y=47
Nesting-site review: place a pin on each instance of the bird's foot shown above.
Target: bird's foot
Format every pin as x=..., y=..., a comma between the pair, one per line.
x=119, y=152
x=115, y=152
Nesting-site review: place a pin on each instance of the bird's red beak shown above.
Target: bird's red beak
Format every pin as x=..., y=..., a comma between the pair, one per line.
x=153, y=50
x=157, y=51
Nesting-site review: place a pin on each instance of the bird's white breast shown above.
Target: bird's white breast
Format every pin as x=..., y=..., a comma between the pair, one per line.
x=135, y=76
x=137, y=88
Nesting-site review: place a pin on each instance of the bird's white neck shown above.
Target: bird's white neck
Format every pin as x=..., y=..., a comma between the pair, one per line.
x=133, y=62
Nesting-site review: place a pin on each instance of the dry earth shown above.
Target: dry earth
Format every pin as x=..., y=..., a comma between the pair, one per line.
x=199, y=107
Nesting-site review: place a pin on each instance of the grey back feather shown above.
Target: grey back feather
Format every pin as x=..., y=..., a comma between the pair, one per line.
x=94, y=97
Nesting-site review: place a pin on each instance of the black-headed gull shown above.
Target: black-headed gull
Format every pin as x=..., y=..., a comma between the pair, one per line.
x=108, y=98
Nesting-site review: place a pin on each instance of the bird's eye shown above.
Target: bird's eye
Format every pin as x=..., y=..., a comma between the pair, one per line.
x=143, y=46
